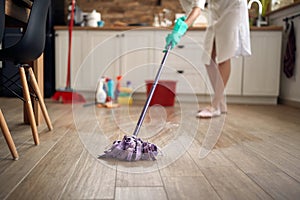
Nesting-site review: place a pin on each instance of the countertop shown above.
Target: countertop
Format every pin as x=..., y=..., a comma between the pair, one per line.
x=124, y=28
x=297, y=2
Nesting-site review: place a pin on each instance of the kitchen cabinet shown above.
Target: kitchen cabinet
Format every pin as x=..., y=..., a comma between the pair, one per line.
x=61, y=56
x=137, y=54
x=104, y=53
x=99, y=52
x=186, y=67
x=113, y=53
x=234, y=84
x=136, y=58
x=262, y=69
x=183, y=63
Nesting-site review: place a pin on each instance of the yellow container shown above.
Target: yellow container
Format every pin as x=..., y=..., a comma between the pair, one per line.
x=125, y=100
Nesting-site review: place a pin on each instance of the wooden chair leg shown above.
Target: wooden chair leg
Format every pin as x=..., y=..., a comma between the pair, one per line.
x=28, y=105
x=36, y=88
x=8, y=138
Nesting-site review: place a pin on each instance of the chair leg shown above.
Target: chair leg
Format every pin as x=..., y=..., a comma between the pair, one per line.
x=36, y=88
x=28, y=105
x=8, y=138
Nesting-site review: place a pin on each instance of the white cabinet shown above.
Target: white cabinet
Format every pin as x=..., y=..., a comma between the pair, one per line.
x=186, y=67
x=262, y=68
x=136, y=58
x=104, y=53
x=61, y=56
x=234, y=84
x=99, y=50
x=184, y=63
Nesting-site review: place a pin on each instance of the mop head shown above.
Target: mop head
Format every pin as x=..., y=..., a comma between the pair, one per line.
x=131, y=149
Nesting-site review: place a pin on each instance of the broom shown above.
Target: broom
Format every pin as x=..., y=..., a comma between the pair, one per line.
x=68, y=95
x=131, y=148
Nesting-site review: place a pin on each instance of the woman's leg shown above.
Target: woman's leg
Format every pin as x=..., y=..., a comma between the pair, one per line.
x=220, y=82
x=211, y=69
x=218, y=75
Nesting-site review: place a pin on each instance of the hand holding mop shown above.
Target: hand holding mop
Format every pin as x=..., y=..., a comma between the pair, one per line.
x=131, y=148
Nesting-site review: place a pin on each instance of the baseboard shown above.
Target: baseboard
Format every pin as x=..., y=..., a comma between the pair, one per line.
x=288, y=102
x=191, y=98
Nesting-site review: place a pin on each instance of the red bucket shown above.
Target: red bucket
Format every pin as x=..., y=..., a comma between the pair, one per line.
x=164, y=93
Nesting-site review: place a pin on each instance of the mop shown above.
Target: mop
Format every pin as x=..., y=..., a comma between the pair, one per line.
x=68, y=95
x=131, y=148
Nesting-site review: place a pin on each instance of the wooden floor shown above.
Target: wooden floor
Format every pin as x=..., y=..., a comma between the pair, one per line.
x=257, y=155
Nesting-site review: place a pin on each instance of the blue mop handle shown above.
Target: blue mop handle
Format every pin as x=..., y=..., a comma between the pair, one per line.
x=143, y=114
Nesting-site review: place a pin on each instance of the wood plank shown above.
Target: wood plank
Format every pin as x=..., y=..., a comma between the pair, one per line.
x=189, y=187
x=137, y=193
x=91, y=180
x=249, y=161
x=30, y=156
x=269, y=177
x=183, y=166
x=280, y=158
x=21, y=132
x=214, y=159
x=147, y=179
x=138, y=174
x=53, y=172
x=231, y=183
x=279, y=185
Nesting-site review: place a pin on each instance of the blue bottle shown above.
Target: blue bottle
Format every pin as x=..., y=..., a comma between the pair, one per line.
x=110, y=90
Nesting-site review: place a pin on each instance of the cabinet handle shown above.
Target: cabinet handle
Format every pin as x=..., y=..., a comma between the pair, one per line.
x=117, y=35
x=180, y=46
x=180, y=71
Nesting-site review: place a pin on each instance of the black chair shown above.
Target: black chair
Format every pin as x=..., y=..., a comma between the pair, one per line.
x=28, y=49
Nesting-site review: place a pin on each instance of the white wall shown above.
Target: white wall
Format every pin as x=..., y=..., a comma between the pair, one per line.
x=290, y=87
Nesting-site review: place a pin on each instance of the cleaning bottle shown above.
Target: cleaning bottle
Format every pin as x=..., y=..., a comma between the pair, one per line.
x=110, y=90
x=128, y=84
x=118, y=86
x=100, y=92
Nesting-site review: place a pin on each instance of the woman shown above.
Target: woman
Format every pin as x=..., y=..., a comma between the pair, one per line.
x=227, y=36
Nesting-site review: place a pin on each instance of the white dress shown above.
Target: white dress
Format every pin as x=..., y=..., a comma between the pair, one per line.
x=228, y=25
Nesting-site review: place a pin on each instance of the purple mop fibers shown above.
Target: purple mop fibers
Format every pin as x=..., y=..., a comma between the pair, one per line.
x=131, y=149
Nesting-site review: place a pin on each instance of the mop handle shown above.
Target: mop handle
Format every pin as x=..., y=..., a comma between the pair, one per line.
x=143, y=114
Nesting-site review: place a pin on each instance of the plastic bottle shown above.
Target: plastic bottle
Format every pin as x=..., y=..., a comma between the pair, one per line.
x=100, y=92
x=128, y=84
x=110, y=89
x=118, y=86
x=156, y=21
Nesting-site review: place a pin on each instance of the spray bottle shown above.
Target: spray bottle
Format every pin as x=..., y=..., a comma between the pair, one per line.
x=110, y=90
x=100, y=92
x=118, y=86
